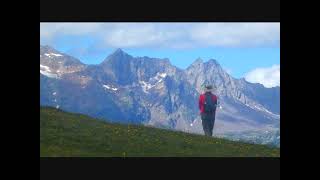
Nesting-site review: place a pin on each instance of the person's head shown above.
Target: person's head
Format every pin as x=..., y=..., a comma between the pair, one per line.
x=208, y=88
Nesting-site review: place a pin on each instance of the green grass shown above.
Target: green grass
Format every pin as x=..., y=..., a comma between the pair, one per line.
x=65, y=134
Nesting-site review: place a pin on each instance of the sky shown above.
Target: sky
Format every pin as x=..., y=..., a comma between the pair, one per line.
x=244, y=50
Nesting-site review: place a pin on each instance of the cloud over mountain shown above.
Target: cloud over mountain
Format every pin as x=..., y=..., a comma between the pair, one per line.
x=269, y=77
x=169, y=35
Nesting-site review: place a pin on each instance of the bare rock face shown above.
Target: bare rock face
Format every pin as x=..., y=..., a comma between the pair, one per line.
x=56, y=64
x=153, y=92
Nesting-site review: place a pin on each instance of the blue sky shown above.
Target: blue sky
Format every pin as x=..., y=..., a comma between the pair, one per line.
x=250, y=50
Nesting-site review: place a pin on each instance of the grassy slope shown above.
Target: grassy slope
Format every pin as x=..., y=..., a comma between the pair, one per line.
x=67, y=134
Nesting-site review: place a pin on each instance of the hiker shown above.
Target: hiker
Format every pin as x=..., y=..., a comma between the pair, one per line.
x=207, y=105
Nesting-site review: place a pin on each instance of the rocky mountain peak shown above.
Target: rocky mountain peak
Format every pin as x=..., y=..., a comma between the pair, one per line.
x=118, y=56
x=196, y=63
x=154, y=92
x=213, y=62
x=119, y=51
x=54, y=64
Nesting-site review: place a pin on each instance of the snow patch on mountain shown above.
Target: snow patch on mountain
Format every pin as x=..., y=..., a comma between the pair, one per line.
x=145, y=86
x=50, y=75
x=163, y=75
x=52, y=54
x=261, y=108
x=45, y=70
x=264, y=109
x=110, y=88
x=152, y=82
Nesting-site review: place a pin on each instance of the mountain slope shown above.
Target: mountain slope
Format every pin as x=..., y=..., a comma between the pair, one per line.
x=151, y=91
x=245, y=106
x=67, y=134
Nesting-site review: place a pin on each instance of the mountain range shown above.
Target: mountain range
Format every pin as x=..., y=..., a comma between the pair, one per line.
x=153, y=92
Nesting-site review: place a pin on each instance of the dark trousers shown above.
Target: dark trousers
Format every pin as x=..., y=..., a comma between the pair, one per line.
x=208, y=123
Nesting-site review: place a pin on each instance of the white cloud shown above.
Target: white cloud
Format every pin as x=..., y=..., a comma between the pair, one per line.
x=52, y=30
x=135, y=35
x=172, y=35
x=236, y=34
x=269, y=77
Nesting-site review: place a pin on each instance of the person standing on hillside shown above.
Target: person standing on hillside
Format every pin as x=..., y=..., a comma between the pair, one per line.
x=207, y=104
